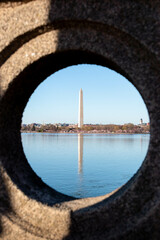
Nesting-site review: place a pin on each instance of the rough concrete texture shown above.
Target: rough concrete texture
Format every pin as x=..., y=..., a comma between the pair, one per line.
x=39, y=37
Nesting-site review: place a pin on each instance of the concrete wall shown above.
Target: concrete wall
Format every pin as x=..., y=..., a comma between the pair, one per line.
x=39, y=37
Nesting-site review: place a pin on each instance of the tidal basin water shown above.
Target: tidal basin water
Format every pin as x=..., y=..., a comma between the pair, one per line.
x=85, y=165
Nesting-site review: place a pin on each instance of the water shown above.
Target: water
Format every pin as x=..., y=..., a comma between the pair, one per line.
x=85, y=165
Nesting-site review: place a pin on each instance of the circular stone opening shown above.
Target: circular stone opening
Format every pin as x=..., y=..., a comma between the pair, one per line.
x=104, y=153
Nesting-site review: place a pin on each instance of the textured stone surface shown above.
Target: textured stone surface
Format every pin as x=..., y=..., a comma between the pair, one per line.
x=39, y=37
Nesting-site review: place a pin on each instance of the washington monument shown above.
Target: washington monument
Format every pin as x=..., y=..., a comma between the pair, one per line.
x=80, y=116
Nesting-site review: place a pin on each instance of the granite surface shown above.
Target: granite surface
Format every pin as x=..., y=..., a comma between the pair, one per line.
x=39, y=37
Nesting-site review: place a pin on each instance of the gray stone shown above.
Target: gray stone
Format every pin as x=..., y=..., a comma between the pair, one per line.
x=39, y=37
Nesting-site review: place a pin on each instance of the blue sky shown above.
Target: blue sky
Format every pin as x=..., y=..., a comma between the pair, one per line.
x=108, y=98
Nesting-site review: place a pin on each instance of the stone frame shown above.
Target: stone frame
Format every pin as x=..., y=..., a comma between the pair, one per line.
x=38, y=38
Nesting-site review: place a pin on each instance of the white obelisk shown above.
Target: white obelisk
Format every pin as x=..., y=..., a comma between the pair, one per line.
x=80, y=117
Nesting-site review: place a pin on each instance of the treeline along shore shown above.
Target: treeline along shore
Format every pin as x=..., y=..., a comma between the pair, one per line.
x=87, y=128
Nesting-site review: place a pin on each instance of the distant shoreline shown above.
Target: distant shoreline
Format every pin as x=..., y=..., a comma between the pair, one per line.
x=84, y=132
x=128, y=128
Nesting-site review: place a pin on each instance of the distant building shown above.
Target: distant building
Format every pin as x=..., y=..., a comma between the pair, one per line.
x=141, y=121
x=61, y=124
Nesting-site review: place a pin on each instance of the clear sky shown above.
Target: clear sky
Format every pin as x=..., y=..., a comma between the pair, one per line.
x=108, y=98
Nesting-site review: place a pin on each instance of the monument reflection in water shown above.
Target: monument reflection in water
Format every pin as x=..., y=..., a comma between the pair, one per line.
x=80, y=153
x=109, y=160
